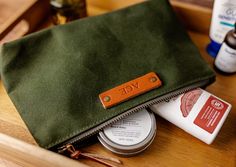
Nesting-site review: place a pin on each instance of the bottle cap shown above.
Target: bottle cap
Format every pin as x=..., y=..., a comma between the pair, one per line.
x=213, y=48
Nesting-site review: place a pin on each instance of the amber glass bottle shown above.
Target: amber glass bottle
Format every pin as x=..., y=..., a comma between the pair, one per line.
x=64, y=11
x=226, y=59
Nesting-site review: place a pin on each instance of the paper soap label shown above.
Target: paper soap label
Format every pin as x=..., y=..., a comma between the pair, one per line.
x=188, y=100
x=211, y=114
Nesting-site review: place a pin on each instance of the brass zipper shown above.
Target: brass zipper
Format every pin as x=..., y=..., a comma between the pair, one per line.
x=157, y=100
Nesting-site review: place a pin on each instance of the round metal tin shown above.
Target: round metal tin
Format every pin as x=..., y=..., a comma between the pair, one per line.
x=132, y=147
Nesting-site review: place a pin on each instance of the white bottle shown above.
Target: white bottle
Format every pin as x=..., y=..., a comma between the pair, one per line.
x=196, y=112
x=223, y=19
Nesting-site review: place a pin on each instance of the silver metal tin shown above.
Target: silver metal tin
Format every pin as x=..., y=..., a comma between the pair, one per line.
x=134, y=148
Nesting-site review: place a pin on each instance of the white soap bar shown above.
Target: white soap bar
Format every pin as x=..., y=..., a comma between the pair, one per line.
x=196, y=112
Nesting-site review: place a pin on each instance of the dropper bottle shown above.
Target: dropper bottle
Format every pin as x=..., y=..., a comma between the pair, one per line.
x=226, y=59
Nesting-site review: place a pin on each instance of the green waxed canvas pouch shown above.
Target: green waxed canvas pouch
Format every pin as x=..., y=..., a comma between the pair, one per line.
x=54, y=76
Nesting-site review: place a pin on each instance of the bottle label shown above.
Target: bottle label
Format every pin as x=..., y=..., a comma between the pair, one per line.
x=223, y=19
x=226, y=59
x=211, y=114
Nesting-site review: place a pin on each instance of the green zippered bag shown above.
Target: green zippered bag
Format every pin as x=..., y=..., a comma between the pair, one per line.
x=54, y=77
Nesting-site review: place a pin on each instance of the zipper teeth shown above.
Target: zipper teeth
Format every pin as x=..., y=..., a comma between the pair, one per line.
x=133, y=110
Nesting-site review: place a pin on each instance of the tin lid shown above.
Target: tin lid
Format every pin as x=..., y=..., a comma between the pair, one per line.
x=131, y=135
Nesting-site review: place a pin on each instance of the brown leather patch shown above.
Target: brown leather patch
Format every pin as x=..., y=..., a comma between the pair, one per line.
x=129, y=90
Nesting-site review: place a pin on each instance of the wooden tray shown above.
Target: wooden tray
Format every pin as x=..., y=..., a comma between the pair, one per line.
x=172, y=146
x=20, y=17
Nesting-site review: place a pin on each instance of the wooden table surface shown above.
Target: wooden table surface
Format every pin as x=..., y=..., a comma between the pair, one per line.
x=172, y=146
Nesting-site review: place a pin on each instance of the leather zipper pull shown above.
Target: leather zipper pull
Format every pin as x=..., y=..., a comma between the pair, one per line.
x=76, y=154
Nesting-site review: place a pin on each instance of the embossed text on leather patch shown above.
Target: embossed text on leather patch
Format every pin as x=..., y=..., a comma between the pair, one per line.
x=129, y=90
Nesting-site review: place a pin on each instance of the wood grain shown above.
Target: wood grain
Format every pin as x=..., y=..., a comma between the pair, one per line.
x=203, y=3
x=12, y=12
x=172, y=146
x=6, y=163
x=23, y=154
x=194, y=17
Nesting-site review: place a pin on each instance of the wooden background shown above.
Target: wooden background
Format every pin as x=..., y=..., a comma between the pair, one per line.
x=172, y=146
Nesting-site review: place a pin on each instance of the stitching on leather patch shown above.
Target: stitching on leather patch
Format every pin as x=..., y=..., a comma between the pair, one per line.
x=130, y=90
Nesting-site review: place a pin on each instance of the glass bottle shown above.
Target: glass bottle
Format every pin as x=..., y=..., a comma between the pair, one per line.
x=226, y=59
x=64, y=11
